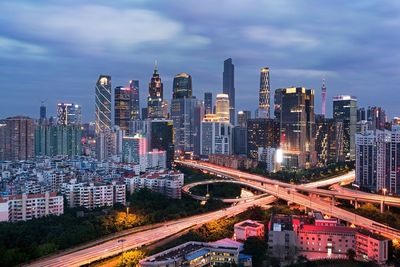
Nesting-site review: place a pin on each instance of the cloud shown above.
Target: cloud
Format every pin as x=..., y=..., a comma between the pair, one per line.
x=97, y=29
x=9, y=48
x=306, y=73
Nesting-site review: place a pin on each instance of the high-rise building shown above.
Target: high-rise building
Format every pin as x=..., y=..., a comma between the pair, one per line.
x=182, y=87
x=122, y=107
x=328, y=140
x=155, y=98
x=239, y=140
x=377, y=118
x=345, y=110
x=198, y=118
x=242, y=117
x=134, y=150
x=361, y=114
x=297, y=127
x=208, y=103
x=109, y=144
x=394, y=156
x=277, y=104
x=103, y=103
x=264, y=94
x=162, y=138
x=396, y=121
x=262, y=133
x=43, y=115
x=144, y=113
x=222, y=110
x=228, y=87
x=54, y=140
x=216, y=136
x=69, y=114
x=323, y=96
x=135, y=102
x=18, y=138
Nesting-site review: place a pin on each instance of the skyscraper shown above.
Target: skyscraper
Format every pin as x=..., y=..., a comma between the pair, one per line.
x=162, y=138
x=216, y=136
x=345, y=110
x=208, y=103
x=155, y=98
x=242, y=117
x=264, y=94
x=261, y=133
x=182, y=113
x=222, y=107
x=328, y=140
x=103, y=103
x=377, y=118
x=228, y=87
x=135, y=103
x=297, y=127
x=323, y=96
x=43, y=112
x=122, y=107
x=69, y=114
x=18, y=140
x=182, y=87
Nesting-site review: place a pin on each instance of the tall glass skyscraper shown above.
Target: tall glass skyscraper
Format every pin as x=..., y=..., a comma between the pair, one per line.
x=208, y=103
x=69, y=114
x=182, y=87
x=135, y=102
x=264, y=94
x=122, y=107
x=155, y=98
x=103, y=103
x=228, y=87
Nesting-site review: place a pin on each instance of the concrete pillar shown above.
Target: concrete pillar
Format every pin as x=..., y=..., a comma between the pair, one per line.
x=333, y=201
x=356, y=204
x=382, y=206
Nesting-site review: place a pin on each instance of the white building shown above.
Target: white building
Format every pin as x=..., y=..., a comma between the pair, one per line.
x=93, y=196
x=134, y=150
x=270, y=156
x=29, y=206
x=216, y=136
x=166, y=182
x=157, y=159
x=248, y=228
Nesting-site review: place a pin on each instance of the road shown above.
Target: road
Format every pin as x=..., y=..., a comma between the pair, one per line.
x=137, y=240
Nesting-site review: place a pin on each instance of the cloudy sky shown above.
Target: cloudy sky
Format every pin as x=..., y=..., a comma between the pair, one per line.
x=55, y=50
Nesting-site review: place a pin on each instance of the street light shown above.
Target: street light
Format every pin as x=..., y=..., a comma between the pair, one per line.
x=121, y=241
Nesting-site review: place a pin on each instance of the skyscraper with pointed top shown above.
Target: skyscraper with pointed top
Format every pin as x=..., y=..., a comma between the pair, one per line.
x=155, y=98
x=323, y=94
x=228, y=87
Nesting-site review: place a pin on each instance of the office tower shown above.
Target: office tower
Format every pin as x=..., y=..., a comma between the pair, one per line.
x=134, y=150
x=135, y=102
x=54, y=140
x=328, y=140
x=222, y=110
x=42, y=118
x=277, y=104
x=182, y=86
x=18, y=138
x=162, y=138
x=122, y=107
x=165, y=109
x=345, y=110
x=297, y=127
x=242, y=118
x=239, y=140
x=109, y=144
x=228, y=87
x=323, y=96
x=376, y=117
x=262, y=133
x=103, y=103
x=216, y=136
x=393, y=184
x=208, y=103
x=69, y=114
x=198, y=118
x=144, y=113
x=3, y=126
x=361, y=114
x=264, y=94
x=155, y=98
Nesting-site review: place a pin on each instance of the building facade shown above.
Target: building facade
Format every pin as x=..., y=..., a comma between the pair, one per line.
x=208, y=103
x=103, y=103
x=122, y=107
x=156, y=97
x=264, y=94
x=69, y=114
x=328, y=140
x=228, y=87
x=216, y=136
x=261, y=133
x=222, y=107
x=135, y=100
x=162, y=138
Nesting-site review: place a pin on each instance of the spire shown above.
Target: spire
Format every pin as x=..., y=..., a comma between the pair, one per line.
x=323, y=94
x=155, y=67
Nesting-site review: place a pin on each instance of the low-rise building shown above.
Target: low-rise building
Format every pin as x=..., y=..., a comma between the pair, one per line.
x=166, y=182
x=232, y=161
x=281, y=237
x=372, y=247
x=29, y=206
x=248, y=228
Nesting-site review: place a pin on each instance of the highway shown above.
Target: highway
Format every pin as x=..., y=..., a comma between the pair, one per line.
x=139, y=239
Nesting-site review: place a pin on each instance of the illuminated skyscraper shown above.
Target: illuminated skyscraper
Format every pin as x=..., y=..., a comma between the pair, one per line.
x=162, y=138
x=242, y=117
x=69, y=114
x=182, y=87
x=222, y=110
x=297, y=121
x=208, y=103
x=345, y=110
x=155, y=98
x=122, y=107
x=103, y=103
x=135, y=102
x=264, y=94
x=228, y=87
x=216, y=136
x=261, y=133
x=323, y=95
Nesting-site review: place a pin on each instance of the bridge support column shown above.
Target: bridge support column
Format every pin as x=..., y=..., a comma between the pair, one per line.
x=333, y=201
x=356, y=205
x=382, y=206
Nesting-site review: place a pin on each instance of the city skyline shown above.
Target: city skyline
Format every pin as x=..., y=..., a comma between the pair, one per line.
x=61, y=64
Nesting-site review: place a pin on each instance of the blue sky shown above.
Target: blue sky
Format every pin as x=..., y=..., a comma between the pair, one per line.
x=55, y=50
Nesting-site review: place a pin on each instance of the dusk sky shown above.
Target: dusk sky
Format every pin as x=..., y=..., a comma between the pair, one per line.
x=55, y=50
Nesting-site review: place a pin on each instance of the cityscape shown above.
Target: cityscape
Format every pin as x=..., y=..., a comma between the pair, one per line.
x=158, y=172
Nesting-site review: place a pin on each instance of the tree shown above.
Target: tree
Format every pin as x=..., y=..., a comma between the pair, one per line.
x=131, y=258
x=351, y=254
x=257, y=248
